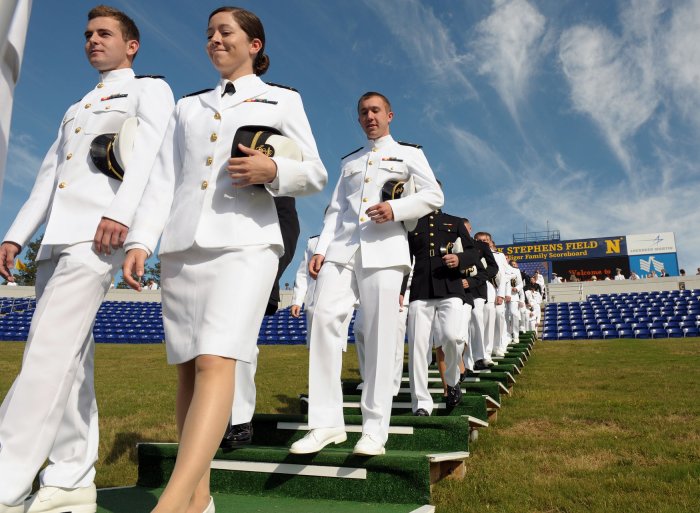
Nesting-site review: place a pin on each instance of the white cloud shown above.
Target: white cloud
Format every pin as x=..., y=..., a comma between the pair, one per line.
x=427, y=41
x=508, y=47
x=681, y=66
x=608, y=84
x=482, y=163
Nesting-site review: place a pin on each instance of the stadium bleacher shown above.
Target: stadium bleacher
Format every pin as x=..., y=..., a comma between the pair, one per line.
x=136, y=322
x=663, y=314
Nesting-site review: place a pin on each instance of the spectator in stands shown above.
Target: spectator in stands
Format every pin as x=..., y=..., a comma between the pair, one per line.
x=634, y=276
x=594, y=278
x=50, y=412
x=618, y=274
x=219, y=260
x=151, y=285
x=573, y=278
x=682, y=272
x=556, y=278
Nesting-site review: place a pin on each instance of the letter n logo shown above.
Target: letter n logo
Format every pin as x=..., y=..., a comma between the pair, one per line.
x=612, y=246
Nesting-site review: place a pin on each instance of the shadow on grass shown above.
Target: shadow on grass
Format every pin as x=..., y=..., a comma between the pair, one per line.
x=289, y=404
x=125, y=443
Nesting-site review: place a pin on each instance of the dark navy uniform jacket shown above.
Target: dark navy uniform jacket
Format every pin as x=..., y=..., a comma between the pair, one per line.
x=432, y=279
x=488, y=269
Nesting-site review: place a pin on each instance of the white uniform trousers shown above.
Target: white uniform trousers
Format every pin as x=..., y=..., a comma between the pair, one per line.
x=476, y=348
x=244, y=394
x=338, y=288
x=489, y=328
x=50, y=411
x=500, y=336
x=400, y=345
x=513, y=318
x=445, y=317
x=535, y=316
x=524, y=319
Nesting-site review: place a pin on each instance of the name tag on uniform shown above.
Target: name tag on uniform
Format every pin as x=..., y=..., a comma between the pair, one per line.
x=112, y=97
x=391, y=159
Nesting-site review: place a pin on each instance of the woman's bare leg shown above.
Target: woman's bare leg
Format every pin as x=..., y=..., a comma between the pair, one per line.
x=204, y=397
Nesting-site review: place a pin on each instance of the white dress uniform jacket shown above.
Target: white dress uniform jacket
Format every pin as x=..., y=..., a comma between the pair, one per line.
x=70, y=195
x=190, y=198
x=346, y=227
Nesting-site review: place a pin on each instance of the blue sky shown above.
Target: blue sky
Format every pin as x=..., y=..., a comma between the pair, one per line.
x=582, y=116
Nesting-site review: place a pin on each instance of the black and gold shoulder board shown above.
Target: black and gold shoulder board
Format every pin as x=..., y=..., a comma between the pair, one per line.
x=353, y=151
x=409, y=144
x=149, y=76
x=282, y=86
x=198, y=92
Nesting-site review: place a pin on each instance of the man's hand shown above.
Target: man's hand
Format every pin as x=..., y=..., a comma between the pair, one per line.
x=109, y=235
x=400, y=302
x=451, y=261
x=315, y=265
x=8, y=252
x=499, y=300
x=133, y=265
x=465, y=283
x=380, y=213
x=507, y=299
x=256, y=168
x=295, y=310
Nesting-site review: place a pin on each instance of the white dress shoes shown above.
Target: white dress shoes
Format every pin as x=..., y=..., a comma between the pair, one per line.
x=11, y=509
x=317, y=439
x=51, y=499
x=368, y=446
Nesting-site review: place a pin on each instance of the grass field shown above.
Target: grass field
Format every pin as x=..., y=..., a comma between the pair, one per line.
x=592, y=426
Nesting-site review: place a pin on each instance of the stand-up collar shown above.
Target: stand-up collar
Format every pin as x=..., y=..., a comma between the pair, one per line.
x=116, y=75
x=241, y=84
x=379, y=143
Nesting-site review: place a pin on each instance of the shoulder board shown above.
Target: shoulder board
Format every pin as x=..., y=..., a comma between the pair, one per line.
x=282, y=86
x=314, y=236
x=353, y=151
x=198, y=92
x=409, y=144
x=149, y=76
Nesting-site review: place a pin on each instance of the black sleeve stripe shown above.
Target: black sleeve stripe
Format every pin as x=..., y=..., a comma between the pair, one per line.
x=149, y=76
x=353, y=151
x=198, y=92
x=410, y=144
x=282, y=86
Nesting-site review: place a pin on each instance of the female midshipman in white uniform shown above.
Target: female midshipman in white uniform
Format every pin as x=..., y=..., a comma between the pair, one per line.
x=221, y=239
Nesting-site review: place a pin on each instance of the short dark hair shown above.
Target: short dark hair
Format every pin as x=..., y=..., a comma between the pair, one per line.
x=129, y=29
x=370, y=94
x=483, y=234
x=253, y=27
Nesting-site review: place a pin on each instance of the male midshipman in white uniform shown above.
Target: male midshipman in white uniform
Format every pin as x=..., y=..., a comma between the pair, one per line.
x=50, y=412
x=362, y=254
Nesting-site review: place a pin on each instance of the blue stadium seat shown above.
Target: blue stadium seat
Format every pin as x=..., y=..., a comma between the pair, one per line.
x=674, y=332
x=690, y=331
x=658, y=333
x=609, y=333
x=594, y=333
x=641, y=333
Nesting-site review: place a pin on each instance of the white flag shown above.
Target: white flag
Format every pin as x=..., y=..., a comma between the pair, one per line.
x=14, y=20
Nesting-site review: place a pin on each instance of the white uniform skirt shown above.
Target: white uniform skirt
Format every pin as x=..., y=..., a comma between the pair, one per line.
x=214, y=300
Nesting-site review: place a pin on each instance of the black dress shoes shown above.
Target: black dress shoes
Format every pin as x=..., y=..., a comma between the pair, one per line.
x=420, y=412
x=238, y=435
x=454, y=396
x=480, y=365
